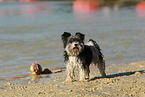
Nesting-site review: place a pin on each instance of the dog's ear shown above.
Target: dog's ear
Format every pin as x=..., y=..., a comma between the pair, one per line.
x=64, y=37
x=80, y=35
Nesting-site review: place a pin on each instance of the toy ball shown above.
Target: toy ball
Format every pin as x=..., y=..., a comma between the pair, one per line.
x=35, y=69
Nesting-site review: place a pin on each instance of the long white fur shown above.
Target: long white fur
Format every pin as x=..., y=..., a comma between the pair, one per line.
x=71, y=65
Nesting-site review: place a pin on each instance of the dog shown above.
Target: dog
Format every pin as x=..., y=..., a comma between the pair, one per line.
x=79, y=55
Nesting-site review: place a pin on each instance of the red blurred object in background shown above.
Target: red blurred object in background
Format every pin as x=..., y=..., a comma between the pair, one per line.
x=3, y=0
x=140, y=8
x=28, y=0
x=85, y=6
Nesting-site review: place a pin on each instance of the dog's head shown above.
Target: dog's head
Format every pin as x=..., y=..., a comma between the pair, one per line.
x=73, y=44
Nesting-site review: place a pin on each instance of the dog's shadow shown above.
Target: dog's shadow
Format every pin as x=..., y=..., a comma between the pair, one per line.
x=119, y=74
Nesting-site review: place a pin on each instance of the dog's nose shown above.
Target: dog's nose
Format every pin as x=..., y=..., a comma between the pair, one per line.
x=76, y=44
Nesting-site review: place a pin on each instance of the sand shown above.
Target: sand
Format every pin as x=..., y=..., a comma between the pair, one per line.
x=124, y=80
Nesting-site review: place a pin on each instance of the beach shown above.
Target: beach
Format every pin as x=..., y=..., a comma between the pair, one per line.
x=31, y=32
x=123, y=80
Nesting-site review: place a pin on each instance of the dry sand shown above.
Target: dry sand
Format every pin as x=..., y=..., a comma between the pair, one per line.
x=124, y=80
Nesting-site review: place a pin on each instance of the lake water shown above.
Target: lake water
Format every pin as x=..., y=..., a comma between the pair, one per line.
x=30, y=32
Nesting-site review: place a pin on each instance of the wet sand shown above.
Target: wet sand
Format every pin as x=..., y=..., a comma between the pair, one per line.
x=124, y=80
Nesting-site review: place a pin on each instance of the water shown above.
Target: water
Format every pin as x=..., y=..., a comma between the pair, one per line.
x=30, y=32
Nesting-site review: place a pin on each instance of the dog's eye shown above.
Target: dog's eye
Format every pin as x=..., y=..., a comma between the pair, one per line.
x=71, y=41
x=78, y=41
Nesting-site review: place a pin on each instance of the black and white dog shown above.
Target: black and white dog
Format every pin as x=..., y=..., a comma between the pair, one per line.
x=80, y=55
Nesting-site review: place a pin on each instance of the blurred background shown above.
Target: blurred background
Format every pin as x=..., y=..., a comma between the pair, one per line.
x=30, y=31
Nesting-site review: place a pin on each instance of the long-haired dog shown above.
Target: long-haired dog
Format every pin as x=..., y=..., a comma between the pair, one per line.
x=80, y=55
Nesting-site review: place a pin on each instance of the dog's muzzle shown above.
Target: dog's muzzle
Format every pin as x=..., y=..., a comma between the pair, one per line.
x=75, y=51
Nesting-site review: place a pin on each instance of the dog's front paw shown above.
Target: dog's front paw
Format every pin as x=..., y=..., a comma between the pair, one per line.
x=82, y=79
x=68, y=79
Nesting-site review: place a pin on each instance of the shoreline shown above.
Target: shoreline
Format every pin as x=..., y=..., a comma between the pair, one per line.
x=124, y=80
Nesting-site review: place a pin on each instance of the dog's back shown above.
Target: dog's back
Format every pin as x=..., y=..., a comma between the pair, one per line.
x=96, y=51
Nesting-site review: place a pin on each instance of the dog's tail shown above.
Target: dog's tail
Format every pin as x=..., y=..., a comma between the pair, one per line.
x=93, y=43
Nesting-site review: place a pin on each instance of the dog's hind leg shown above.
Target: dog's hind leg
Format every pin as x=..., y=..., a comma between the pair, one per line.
x=101, y=67
x=87, y=72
